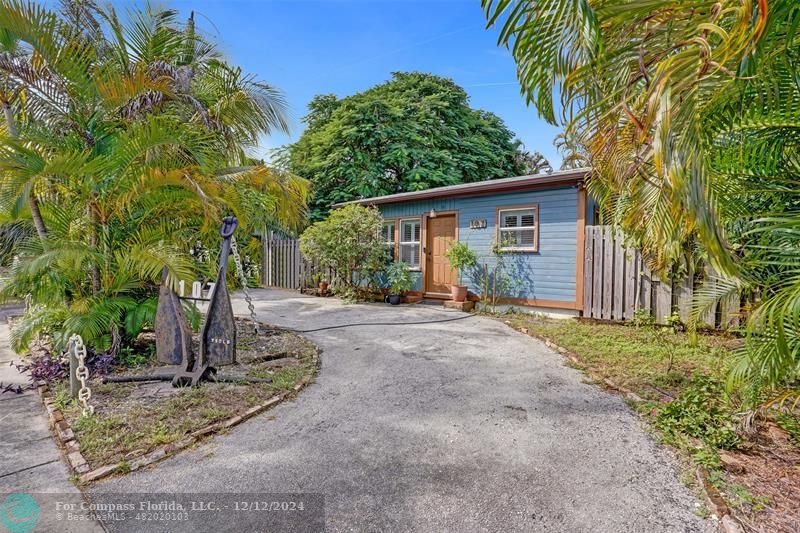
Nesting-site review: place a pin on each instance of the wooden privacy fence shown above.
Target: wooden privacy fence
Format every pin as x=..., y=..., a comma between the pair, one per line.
x=617, y=283
x=283, y=266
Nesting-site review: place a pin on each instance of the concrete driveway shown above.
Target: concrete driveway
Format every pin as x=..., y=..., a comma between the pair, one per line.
x=457, y=426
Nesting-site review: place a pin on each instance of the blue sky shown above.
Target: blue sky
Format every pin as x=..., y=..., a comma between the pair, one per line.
x=345, y=46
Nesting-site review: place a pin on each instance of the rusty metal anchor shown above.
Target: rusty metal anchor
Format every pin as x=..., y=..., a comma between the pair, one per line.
x=218, y=337
x=174, y=338
x=173, y=334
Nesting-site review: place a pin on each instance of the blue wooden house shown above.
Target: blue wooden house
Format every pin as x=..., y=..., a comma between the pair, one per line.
x=527, y=231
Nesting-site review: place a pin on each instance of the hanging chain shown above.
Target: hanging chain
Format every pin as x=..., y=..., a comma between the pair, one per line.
x=82, y=373
x=243, y=279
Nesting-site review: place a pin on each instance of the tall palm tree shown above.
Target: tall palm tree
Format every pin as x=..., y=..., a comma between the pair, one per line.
x=530, y=162
x=134, y=138
x=683, y=107
x=573, y=153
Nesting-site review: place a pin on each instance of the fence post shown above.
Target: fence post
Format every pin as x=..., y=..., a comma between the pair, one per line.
x=588, y=258
x=74, y=384
x=646, y=281
x=683, y=295
x=631, y=286
x=663, y=306
x=299, y=268
x=597, y=283
x=270, y=248
x=608, y=271
x=619, y=280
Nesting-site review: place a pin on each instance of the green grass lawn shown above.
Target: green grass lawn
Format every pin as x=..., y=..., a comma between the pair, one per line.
x=637, y=358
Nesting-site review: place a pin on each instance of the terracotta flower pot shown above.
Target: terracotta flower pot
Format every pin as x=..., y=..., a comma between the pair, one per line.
x=459, y=292
x=323, y=286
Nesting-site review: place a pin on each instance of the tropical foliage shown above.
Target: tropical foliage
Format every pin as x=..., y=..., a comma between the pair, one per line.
x=124, y=143
x=399, y=277
x=530, y=162
x=413, y=132
x=349, y=243
x=689, y=111
x=461, y=257
x=573, y=153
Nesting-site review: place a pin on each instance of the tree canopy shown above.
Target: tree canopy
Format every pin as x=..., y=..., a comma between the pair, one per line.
x=413, y=132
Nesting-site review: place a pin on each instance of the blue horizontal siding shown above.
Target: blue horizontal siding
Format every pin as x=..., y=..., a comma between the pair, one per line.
x=548, y=274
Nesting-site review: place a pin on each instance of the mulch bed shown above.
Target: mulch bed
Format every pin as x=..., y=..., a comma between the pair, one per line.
x=136, y=424
x=768, y=466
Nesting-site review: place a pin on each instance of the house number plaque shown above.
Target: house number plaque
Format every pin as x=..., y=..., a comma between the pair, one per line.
x=477, y=223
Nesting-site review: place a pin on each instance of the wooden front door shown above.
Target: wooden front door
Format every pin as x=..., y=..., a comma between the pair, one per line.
x=439, y=234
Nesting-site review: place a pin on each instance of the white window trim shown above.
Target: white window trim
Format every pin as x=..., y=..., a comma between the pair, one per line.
x=401, y=242
x=500, y=229
x=393, y=243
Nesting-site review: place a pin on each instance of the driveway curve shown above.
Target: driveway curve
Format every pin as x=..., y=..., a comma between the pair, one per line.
x=459, y=426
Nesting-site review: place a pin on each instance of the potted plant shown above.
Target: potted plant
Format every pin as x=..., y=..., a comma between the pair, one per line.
x=320, y=281
x=400, y=281
x=461, y=257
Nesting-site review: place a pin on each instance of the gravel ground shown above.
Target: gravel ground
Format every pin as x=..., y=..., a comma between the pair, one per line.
x=459, y=426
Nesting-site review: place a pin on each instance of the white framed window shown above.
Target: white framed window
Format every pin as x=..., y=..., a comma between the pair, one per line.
x=387, y=234
x=518, y=229
x=410, y=238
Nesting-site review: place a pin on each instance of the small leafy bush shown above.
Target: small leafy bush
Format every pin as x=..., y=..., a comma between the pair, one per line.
x=702, y=412
x=461, y=257
x=349, y=243
x=131, y=357
x=50, y=368
x=399, y=276
x=674, y=321
x=642, y=318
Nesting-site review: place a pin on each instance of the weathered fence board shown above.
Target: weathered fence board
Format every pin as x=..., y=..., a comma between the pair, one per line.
x=618, y=305
x=597, y=283
x=617, y=283
x=663, y=301
x=588, y=273
x=629, y=286
x=283, y=265
x=608, y=269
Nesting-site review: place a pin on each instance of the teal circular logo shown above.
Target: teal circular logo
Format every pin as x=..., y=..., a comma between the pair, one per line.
x=19, y=512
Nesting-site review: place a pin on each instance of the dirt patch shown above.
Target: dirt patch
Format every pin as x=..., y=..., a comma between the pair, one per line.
x=133, y=418
x=762, y=481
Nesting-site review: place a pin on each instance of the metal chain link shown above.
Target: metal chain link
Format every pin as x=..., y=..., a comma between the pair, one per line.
x=82, y=373
x=243, y=279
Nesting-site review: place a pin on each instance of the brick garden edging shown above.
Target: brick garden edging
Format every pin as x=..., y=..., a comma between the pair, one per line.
x=79, y=466
x=725, y=520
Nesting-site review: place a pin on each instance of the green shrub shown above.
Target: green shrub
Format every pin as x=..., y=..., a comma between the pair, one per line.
x=461, y=257
x=642, y=318
x=702, y=412
x=399, y=277
x=349, y=243
x=674, y=321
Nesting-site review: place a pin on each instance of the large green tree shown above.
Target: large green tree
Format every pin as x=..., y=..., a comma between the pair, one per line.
x=413, y=132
